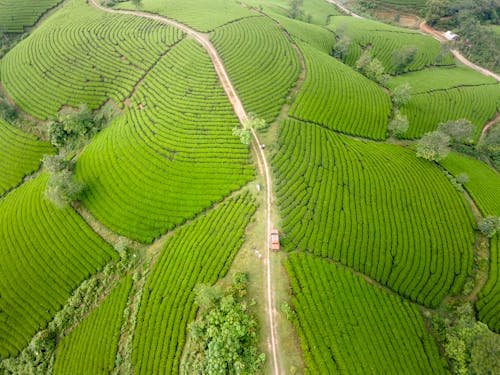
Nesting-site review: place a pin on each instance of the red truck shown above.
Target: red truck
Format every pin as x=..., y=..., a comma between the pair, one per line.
x=275, y=240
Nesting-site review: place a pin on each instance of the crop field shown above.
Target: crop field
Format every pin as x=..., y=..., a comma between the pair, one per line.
x=200, y=252
x=364, y=329
x=426, y=111
x=261, y=62
x=331, y=96
x=317, y=36
x=488, y=305
x=440, y=78
x=202, y=15
x=44, y=254
x=404, y=3
x=82, y=56
x=483, y=184
x=171, y=155
x=352, y=201
x=385, y=40
x=20, y=154
x=15, y=15
x=91, y=347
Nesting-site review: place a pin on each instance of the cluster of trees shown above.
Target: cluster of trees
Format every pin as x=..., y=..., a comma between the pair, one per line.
x=75, y=126
x=62, y=187
x=224, y=338
x=399, y=124
x=470, y=18
x=469, y=345
x=296, y=11
x=437, y=144
x=372, y=68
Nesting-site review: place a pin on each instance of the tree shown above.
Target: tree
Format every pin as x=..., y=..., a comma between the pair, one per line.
x=461, y=131
x=224, y=338
x=489, y=226
x=371, y=67
x=437, y=9
x=56, y=163
x=342, y=46
x=491, y=142
x=401, y=59
x=62, y=189
x=295, y=9
x=399, y=124
x=401, y=95
x=433, y=146
x=6, y=111
x=245, y=132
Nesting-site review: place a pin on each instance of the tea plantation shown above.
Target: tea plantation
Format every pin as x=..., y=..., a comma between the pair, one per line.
x=149, y=148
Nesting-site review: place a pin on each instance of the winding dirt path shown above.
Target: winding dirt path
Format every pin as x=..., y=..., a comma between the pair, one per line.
x=240, y=112
x=338, y=4
x=440, y=38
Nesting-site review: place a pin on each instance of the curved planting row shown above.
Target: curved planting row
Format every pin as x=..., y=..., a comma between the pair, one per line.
x=91, y=347
x=385, y=41
x=374, y=207
x=202, y=15
x=82, y=55
x=335, y=96
x=20, y=154
x=260, y=61
x=477, y=104
x=488, y=304
x=317, y=36
x=45, y=253
x=347, y=326
x=484, y=187
x=200, y=252
x=440, y=78
x=16, y=14
x=171, y=155
x=483, y=184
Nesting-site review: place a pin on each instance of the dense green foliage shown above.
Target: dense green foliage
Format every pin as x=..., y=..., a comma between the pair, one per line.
x=337, y=97
x=403, y=3
x=20, y=154
x=91, y=347
x=261, y=63
x=203, y=15
x=44, y=254
x=171, y=155
x=82, y=55
x=364, y=329
x=224, y=338
x=200, y=252
x=356, y=202
x=425, y=111
x=388, y=43
x=15, y=15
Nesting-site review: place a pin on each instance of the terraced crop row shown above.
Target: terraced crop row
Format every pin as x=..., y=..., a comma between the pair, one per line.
x=374, y=207
x=483, y=184
x=384, y=40
x=200, y=252
x=91, y=347
x=15, y=15
x=82, y=55
x=337, y=97
x=45, y=253
x=20, y=154
x=171, y=155
x=440, y=78
x=477, y=104
x=347, y=326
x=202, y=15
x=317, y=36
x=261, y=63
x=488, y=305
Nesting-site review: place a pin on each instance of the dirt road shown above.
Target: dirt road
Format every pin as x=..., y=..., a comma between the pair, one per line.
x=440, y=38
x=239, y=110
x=344, y=9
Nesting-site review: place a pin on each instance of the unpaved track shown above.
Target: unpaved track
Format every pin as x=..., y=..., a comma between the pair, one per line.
x=440, y=38
x=239, y=110
x=344, y=9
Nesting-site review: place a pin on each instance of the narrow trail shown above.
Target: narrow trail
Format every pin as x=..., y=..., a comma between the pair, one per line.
x=488, y=126
x=240, y=112
x=339, y=4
